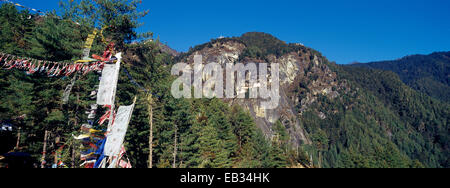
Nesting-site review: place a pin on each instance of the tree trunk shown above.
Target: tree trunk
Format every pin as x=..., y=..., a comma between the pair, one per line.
x=175, y=148
x=150, y=139
x=181, y=152
x=320, y=159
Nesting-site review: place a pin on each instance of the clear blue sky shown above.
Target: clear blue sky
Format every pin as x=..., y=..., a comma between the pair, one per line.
x=343, y=30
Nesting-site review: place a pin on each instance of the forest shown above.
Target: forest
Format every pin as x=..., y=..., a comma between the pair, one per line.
x=425, y=73
x=383, y=124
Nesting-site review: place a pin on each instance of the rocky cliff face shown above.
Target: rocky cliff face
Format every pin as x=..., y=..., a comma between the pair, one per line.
x=304, y=75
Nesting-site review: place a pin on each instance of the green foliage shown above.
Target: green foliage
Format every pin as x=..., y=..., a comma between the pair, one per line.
x=122, y=16
x=261, y=44
x=258, y=45
x=381, y=123
x=54, y=39
x=15, y=27
x=424, y=73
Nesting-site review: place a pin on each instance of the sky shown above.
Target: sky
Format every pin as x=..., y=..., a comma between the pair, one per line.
x=345, y=31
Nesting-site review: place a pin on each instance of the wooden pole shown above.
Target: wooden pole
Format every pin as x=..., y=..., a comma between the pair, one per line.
x=57, y=141
x=44, y=150
x=18, y=139
x=56, y=159
x=76, y=125
x=150, y=139
x=73, y=157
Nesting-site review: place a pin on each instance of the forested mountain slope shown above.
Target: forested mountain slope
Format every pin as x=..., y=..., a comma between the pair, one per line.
x=429, y=74
x=344, y=116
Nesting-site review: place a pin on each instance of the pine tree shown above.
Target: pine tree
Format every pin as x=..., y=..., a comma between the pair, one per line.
x=15, y=27
x=121, y=16
x=54, y=39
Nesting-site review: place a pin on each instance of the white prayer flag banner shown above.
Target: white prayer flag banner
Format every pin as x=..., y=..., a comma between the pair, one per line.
x=116, y=137
x=108, y=83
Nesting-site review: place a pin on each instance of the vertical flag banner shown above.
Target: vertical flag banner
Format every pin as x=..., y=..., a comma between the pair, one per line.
x=108, y=83
x=116, y=137
x=88, y=45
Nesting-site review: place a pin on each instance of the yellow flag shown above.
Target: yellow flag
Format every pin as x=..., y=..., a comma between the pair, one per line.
x=90, y=39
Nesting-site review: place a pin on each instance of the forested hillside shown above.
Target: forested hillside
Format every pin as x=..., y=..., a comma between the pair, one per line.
x=387, y=124
x=429, y=74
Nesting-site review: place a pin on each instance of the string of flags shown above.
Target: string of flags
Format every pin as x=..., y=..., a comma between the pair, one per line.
x=99, y=147
x=49, y=68
x=42, y=13
x=52, y=69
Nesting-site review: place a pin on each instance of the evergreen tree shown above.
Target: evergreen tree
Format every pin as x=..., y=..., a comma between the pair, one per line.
x=121, y=16
x=54, y=39
x=15, y=27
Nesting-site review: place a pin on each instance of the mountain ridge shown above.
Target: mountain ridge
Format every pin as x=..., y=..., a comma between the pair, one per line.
x=324, y=96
